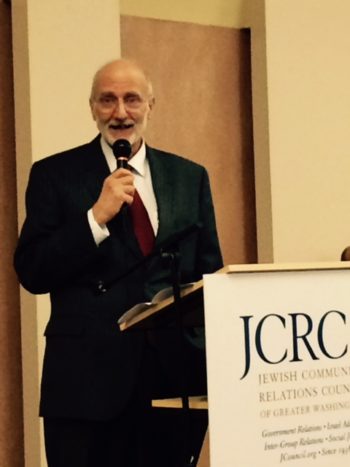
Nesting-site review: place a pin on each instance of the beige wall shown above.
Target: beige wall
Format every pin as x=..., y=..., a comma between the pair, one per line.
x=229, y=13
x=302, y=101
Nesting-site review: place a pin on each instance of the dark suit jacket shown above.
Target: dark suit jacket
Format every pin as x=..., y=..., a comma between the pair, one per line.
x=90, y=367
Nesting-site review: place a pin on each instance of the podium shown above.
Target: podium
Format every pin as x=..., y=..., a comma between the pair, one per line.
x=280, y=350
x=278, y=363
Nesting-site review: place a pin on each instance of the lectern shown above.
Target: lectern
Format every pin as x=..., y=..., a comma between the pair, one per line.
x=278, y=363
x=278, y=343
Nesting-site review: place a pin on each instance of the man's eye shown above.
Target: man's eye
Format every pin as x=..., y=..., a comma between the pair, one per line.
x=107, y=99
x=132, y=99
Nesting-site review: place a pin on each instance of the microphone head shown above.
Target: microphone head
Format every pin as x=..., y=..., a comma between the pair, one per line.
x=121, y=148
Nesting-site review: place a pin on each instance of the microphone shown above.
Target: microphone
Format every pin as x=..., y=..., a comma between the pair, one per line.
x=122, y=150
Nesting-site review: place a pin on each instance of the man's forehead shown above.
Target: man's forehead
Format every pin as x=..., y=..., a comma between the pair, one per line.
x=121, y=81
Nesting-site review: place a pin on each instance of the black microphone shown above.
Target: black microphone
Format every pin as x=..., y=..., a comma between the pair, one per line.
x=122, y=151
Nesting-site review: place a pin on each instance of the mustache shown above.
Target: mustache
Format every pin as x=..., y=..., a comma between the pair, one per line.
x=121, y=125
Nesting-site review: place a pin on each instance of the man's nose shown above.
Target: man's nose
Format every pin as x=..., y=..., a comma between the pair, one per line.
x=120, y=110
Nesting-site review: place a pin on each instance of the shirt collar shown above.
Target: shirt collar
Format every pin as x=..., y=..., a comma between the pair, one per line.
x=137, y=162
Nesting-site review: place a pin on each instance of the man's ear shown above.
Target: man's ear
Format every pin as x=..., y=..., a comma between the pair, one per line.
x=91, y=105
x=151, y=104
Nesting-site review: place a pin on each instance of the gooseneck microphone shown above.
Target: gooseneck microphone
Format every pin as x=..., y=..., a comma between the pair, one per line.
x=122, y=151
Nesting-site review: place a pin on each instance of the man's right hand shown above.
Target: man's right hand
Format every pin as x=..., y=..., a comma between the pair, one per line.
x=118, y=188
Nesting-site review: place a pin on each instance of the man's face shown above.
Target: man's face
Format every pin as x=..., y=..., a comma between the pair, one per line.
x=121, y=103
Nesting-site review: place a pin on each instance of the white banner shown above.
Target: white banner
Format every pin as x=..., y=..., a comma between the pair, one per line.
x=278, y=361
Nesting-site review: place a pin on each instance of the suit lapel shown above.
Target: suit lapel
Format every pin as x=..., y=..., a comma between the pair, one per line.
x=96, y=169
x=163, y=183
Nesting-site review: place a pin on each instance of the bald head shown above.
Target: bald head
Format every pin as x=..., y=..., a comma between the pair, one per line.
x=120, y=69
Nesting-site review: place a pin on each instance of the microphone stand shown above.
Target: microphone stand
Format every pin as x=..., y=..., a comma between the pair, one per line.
x=172, y=260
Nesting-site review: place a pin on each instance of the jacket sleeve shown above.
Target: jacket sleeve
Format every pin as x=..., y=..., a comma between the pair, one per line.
x=53, y=248
x=209, y=257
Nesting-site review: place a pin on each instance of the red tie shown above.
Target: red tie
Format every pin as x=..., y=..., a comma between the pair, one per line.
x=142, y=225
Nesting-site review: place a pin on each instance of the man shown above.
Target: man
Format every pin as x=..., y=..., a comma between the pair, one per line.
x=97, y=382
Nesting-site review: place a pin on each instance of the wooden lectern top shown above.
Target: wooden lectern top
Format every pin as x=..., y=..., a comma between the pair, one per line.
x=192, y=298
x=278, y=267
